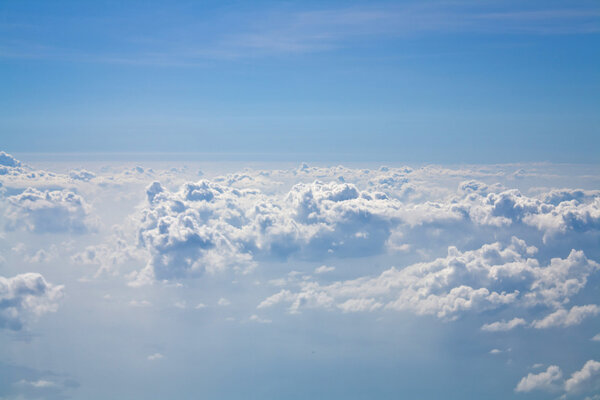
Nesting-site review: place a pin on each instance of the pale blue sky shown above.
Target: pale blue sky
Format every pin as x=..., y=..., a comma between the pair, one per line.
x=440, y=81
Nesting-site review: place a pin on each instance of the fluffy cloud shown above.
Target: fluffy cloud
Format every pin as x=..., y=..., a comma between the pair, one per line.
x=588, y=377
x=206, y=226
x=8, y=161
x=492, y=276
x=584, y=380
x=501, y=326
x=212, y=225
x=565, y=318
x=25, y=295
x=547, y=380
x=49, y=211
x=81, y=175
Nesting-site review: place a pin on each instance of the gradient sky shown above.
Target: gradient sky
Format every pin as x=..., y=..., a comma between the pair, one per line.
x=466, y=81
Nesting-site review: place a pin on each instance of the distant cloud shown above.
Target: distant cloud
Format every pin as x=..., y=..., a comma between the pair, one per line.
x=256, y=318
x=50, y=211
x=565, y=318
x=155, y=356
x=296, y=30
x=490, y=277
x=582, y=381
x=223, y=302
x=323, y=269
x=587, y=378
x=26, y=295
x=501, y=326
x=547, y=380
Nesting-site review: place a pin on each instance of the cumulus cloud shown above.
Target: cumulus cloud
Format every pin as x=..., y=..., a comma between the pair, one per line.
x=547, y=380
x=26, y=295
x=43, y=211
x=584, y=380
x=588, y=377
x=81, y=175
x=207, y=227
x=564, y=318
x=500, y=326
x=8, y=160
x=490, y=277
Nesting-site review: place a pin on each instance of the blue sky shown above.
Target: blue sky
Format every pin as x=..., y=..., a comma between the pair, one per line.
x=414, y=81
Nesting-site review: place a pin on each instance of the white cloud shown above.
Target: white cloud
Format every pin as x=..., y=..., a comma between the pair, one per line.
x=223, y=302
x=140, y=303
x=584, y=380
x=547, y=380
x=256, y=318
x=324, y=269
x=588, y=377
x=596, y=338
x=155, y=356
x=8, y=160
x=50, y=211
x=81, y=175
x=565, y=318
x=41, y=383
x=501, y=326
x=24, y=295
x=494, y=275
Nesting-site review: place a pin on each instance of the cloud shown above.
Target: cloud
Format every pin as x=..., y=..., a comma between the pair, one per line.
x=26, y=295
x=565, y=318
x=490, y=277
x=81, y=175
x=49, y=211
x=501, y=326
x=256, y=318
x=588, y=377
x=584, y=380
x=207, y=227
x=547, y=380
x=8, y=160
x=268, y=31
x=323, y=269
x=155, y=356
x=223, y=302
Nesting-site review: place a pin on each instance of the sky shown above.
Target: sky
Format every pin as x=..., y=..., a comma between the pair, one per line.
x=299, y=200
x=445, y=81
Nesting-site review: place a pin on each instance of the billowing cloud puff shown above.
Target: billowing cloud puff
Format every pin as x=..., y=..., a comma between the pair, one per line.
x=8, y=160
x=81, y=175
x=49, y=211
x=206, y=226
x=547, y=380
x=584, y=380
x=587, y=378
x=476, y=280
x=565, y=318
x=24, y=295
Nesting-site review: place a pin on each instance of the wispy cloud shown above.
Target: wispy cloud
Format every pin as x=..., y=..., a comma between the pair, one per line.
x=188, y=41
